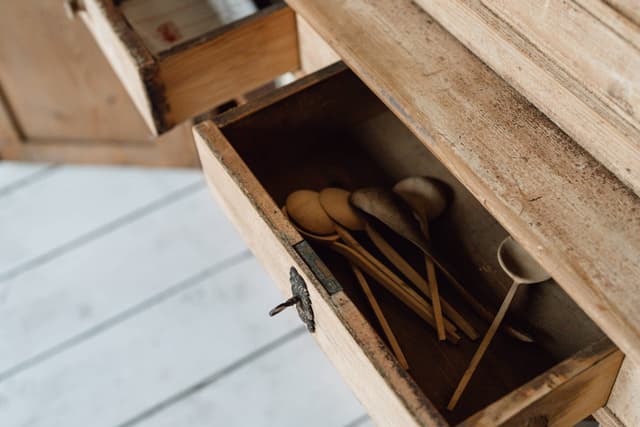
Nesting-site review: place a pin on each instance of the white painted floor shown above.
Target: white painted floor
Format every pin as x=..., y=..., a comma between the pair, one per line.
x=127, y=299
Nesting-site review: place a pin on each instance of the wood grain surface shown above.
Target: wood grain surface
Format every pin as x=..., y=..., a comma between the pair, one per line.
x=577, y=219
x=590, y=92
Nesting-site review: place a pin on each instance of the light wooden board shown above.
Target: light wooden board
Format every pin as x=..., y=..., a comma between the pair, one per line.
x=137, y=363
x=167, y=23
x=129, y=58
x=72, y=202
x=604, y=62
x=14, y=173
x=296, y=385
x=569, y=101
x=579, y=386
x=616, y=21
x=315, y=53
x=210, y=73
x=623, y=402
x=57, y=80
x=58, y=301
x=629, y=8
x=573, y=216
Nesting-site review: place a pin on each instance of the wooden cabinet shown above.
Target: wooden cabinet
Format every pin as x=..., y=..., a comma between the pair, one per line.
x=101, y=88
x=573, y=215
x=329, y=129
x=534, y=142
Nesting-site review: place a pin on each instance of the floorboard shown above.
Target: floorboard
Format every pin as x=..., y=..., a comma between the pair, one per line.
x=127, y=298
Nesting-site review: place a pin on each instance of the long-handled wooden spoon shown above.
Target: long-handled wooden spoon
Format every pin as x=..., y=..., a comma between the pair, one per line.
x=388, y=332
x=304, y=212
x=414, y=277
x=524, y=270
x=335, y=202
x=427, y=202
x=381, y=204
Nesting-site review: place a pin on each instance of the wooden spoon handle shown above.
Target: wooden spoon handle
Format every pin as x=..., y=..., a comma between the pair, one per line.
x=414, y=277
x=351, y=241
x=433, y=284
x=474, y=303
x=435, y=298
x=381, y=318
x=483, y=346
x=407, y=295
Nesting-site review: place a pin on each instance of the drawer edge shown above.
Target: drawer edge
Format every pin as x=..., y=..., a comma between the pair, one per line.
x=387, y=392
x=562, y=396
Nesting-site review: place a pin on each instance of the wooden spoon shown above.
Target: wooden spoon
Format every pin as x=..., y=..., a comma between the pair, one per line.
x=332, y=201
x=385, y=277
x=427, y=202
x=304, y=207
x=524, y=270
x=381, y=204
x=414, y=277
x=335, y=202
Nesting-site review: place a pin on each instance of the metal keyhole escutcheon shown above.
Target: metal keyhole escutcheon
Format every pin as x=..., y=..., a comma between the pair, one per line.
x=300, y=299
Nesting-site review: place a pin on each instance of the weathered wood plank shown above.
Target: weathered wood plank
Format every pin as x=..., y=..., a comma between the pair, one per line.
x=291, y=385
x=587, y=50
x=561, y=397
x=623, y=402
x=143, y=360
x=315, y=53
x=55, y=302
x=596, y=114
x=74, y=201
x=629, y=8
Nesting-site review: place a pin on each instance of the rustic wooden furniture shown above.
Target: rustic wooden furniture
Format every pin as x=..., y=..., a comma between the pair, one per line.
x=537, y=182
x=539, y=141
x=66, y=96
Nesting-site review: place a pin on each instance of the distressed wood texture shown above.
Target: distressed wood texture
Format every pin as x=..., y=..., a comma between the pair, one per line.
x=560, y=397
x=629, y=8
x=188, y=78
x=332, y=114
x=622, y=408
x=579, y=221
x=592, y=92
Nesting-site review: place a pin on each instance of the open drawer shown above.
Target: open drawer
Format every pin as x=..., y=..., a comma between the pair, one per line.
x=328, y=129
x=178, y=59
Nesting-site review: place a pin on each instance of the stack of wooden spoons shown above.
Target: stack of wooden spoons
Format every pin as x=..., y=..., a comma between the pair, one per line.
x=343, y=220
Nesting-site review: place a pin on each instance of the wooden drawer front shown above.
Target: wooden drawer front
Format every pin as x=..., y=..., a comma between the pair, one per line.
x=329, y=129
x=177, y=59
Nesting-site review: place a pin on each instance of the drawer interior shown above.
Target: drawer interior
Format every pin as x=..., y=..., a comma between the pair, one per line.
x=337, y=133
x=164, y=24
